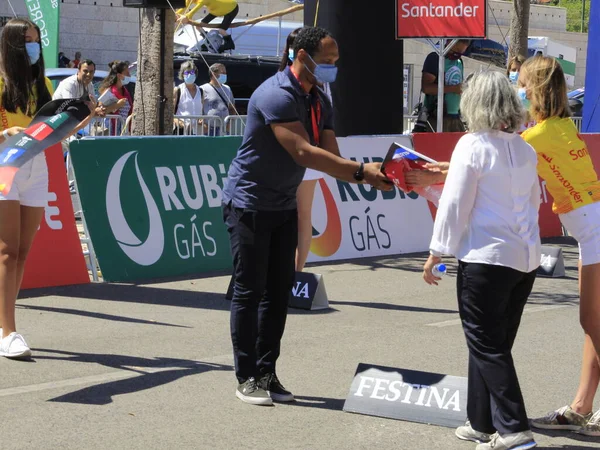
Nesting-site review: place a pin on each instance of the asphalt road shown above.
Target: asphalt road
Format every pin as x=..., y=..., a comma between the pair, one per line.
x=149, y=366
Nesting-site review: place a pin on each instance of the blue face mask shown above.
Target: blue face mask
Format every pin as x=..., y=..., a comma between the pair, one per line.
x=126, y=81
x=189, y=79
x=523, y=96
x=291, y=54
x=513, y=77
x=33, y=50
x=223, y=78
x=324, y=73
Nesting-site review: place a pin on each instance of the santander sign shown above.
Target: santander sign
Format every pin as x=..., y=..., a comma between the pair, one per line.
x=440, y=19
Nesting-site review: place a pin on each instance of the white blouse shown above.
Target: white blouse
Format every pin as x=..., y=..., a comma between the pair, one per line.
x=488, y=212
x=188, y=105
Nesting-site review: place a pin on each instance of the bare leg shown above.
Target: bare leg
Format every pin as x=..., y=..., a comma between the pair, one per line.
x=588, y=381
x=10, y=230
x=589, y=311
x=30, y=222
x=304, y=196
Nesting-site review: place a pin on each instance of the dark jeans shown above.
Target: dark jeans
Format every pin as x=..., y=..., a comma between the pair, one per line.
x=227, y=18
x=263, y=245
x=491, y=301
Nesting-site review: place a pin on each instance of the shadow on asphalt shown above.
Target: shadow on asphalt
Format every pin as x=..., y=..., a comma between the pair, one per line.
x=333, y=404
x=96, y=315
x=393, y=307
x=148, y=295
x=152, y=372
x=568, y=435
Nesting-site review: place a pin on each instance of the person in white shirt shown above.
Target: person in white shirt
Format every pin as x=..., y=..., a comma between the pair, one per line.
x=488, y=219
x=79, y=84
x=188, y=101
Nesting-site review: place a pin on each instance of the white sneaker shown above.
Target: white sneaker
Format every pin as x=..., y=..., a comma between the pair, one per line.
x=513, y=441
x=14, y=346
x=467, y=433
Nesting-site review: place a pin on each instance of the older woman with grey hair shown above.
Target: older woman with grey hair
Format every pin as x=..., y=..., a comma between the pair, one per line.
x=188, y=101
x=488, y=219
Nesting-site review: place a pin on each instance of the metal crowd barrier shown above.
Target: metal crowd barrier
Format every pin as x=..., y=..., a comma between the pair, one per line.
x=198, y=125
x=89, y=254
x=109, y=125
x=409, y=123
x=235, y=125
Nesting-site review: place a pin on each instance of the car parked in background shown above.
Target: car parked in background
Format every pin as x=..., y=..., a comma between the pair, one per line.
x=576, y=98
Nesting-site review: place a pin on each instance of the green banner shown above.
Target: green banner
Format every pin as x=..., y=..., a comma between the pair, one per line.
x=153, y=204
x=46, y=15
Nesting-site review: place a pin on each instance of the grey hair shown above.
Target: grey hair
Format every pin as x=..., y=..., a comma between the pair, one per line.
x=187, y=65
x=489, y=102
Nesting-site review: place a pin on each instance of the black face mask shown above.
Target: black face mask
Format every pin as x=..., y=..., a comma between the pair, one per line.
x=453, y=56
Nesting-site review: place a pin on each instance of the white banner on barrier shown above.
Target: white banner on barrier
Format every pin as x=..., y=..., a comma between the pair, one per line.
x=355, y=221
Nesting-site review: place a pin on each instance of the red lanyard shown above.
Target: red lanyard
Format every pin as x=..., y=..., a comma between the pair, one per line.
x=315, y=113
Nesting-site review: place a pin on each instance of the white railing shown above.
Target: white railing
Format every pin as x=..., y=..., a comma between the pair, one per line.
x=235, y=125
x=198, y=125
x=409, y=123
x=109, y=125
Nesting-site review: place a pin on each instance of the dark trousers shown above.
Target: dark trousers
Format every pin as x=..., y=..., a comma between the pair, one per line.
x=263, y=245
x=491, y=301
x=227, y=18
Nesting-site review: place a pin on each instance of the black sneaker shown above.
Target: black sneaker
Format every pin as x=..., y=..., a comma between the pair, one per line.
x=250, y=392
x=274, y=388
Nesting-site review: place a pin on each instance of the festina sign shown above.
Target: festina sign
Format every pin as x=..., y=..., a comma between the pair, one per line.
x=441, y=19
x=408, y=395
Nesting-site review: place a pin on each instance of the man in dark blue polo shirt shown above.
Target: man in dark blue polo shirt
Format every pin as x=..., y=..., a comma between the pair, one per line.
x=289, y=128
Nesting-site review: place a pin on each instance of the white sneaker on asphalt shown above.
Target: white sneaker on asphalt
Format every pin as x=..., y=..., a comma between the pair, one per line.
x=514, y=441
x=14, y=346
x=467, y=433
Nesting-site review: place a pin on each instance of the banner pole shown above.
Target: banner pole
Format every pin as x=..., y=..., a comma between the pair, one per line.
x=441, y=72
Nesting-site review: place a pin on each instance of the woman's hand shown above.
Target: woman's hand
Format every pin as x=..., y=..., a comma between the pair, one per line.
x=423, y=178
x=14, y=130
x=438, y=167
x=428, y=270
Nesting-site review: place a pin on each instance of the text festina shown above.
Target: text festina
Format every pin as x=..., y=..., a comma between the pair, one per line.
x=408, y=393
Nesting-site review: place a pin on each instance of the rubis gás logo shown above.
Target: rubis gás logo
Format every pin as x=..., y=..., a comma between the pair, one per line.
x=143, y=253
x=329, y=241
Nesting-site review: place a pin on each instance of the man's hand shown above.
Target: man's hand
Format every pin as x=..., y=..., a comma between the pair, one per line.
x=376, y=178
x=428, y=270
x=100, y=111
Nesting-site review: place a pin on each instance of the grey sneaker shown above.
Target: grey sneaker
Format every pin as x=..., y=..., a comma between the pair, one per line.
x=592, y=428
x=275, y=389
x=562, y=419
x=467, y=433
x=250, y=392
x=514, y=441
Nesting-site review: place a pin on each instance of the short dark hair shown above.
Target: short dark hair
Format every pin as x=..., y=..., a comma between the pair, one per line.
x=309, y=39
x=87, y=62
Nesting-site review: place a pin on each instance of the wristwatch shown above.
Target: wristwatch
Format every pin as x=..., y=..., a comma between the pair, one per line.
x=359, y=175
